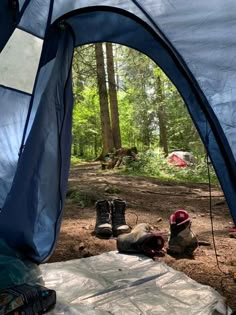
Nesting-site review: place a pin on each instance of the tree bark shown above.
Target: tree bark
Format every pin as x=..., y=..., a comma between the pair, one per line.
x=77, y=78
x=162, y=118
x=107, y=138
x=115, y=123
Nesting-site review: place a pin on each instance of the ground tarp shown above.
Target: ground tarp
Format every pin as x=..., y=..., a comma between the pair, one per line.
x=113, y=283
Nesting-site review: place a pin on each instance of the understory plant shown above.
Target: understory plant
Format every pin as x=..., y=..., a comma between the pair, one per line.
x=155, y=164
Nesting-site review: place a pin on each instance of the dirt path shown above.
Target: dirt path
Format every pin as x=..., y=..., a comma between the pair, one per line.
x=152, y=201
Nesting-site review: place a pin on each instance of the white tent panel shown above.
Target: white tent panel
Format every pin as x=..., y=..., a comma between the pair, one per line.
x=19, y=61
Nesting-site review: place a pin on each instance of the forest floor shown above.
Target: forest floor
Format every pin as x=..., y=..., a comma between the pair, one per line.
x=151, y=201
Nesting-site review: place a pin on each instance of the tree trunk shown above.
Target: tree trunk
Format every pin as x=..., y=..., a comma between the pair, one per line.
x=76, y=76
x=115, y=123
x=163, y=131
x=162, y=117
x=95, y=147
x=75, y=151
x=107, y=138
x=81, y=148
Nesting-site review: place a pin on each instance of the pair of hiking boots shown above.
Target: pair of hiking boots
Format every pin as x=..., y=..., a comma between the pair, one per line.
x=110, y=218
x=144, y=239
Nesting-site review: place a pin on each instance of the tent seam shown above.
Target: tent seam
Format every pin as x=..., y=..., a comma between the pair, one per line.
x=15, y=90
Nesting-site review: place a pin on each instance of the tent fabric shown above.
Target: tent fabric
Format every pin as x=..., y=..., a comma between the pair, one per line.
x=15, y=269
x=7, y=22
x=181, y=158
x=177, y=161
x=14, y=108
x=38, y=179
x=35, y=17
x=193, y=42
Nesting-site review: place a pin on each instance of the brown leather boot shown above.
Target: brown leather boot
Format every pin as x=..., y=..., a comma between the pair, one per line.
x=182, y=240
x=119, y=225
x=103, y=226
x=142, y=239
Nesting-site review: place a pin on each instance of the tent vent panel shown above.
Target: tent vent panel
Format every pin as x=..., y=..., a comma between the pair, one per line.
x=19, y=61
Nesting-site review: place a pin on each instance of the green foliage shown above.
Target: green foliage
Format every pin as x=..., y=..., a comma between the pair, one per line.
x=75, y=160
x=143, y=89
x=81, y=198
x=140, y=114
x=182, y=134
x=86, y=129
x=128, y=126
x=155, y=164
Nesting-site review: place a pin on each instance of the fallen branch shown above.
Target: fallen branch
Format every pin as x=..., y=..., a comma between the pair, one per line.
x=204, y=243
x=181, y=195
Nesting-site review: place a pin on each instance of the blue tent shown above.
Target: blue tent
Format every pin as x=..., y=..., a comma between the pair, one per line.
x=192, y=41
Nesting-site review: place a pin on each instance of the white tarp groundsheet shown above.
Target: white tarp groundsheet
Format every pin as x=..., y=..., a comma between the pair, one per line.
x=113, y=283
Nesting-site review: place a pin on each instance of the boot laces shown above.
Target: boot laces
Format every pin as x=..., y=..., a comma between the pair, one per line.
x=103, y=214
x=119, y=214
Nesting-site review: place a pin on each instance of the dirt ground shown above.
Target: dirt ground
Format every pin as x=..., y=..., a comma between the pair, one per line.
x=151, y=201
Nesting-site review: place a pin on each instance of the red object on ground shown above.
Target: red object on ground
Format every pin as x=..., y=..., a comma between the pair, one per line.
x=177, y=161
x=179, y=217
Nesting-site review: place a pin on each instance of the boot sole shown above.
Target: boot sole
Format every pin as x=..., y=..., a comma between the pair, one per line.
x=105, y=233
x=117, y=233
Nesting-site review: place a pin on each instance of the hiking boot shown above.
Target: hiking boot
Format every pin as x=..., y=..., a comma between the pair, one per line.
x=103, y=226
x=119, y=225
x=181, y=240
x=142, y=239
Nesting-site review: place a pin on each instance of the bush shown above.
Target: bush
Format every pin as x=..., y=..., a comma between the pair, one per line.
x=155, y=164
x=74, y=159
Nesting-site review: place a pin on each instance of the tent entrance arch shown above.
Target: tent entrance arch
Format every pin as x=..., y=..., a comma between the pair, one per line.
x=38, y=180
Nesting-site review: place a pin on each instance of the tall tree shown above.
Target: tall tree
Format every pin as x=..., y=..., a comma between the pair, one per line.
x=115, y=123
x=137, y=81
x=86, y=129
x=161, y=115
x=107, y=138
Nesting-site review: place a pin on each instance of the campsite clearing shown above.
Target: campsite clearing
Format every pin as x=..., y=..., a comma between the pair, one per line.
x=152, y=201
